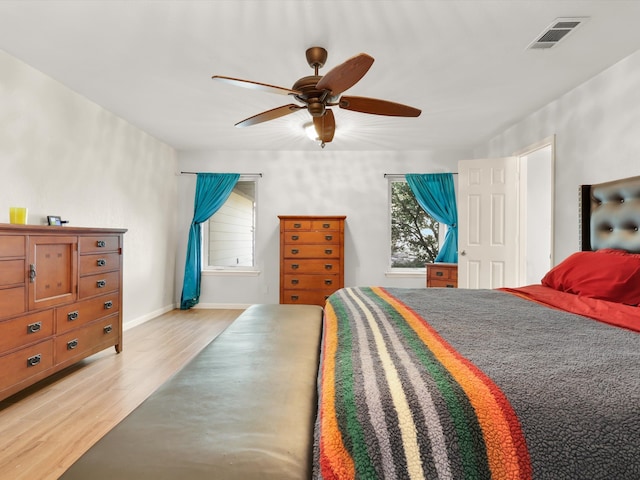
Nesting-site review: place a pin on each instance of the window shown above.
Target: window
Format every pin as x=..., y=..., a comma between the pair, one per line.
x=229, y=235
x=414, y=233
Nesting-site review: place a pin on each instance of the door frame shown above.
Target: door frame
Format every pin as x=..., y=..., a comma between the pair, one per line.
x=522, y=155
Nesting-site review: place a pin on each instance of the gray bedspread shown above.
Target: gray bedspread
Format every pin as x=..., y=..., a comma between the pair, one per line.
x=573, y=383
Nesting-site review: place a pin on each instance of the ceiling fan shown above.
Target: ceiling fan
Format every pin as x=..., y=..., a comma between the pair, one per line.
x=317, y=93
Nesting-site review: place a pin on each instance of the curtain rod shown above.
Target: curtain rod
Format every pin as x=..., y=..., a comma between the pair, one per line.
x=400, y=174
x=195, y=173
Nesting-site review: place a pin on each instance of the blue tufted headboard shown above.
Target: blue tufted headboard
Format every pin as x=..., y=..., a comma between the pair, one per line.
x=610, y=215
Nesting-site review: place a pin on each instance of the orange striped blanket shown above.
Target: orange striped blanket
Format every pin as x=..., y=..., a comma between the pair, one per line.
x=397, y=400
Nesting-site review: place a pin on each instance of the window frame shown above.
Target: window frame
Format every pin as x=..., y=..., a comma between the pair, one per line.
x=231, y=270
x=404, y=271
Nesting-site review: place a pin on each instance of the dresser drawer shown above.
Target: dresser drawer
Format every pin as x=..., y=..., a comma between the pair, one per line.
x=443, y=283
x=441, y=273
x=97, y=244
x=80, y=313
x=25, y=330
x=90, y=264
x=296, y=224
x=312, y=251
x=26, y=362
x=312, y=265
x=306, y=297
x=12, y=272
x=326, y=224
x=92, y=285
x=310, y=281
x=12, y=246
x=293, y=238
x=12, y=301
x=94, y=336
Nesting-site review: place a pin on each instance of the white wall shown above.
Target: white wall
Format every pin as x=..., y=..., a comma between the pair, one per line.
x=64, y=155
x=325, y=182
x=597, y=127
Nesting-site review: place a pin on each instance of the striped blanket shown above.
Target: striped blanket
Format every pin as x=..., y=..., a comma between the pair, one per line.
x=399, y=398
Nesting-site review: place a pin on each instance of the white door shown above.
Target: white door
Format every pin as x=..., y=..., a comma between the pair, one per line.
x=488, y=223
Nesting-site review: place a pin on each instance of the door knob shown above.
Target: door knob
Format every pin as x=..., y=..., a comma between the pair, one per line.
x=463, y=253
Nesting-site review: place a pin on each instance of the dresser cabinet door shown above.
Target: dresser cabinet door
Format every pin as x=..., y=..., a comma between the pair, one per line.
x=53, y=271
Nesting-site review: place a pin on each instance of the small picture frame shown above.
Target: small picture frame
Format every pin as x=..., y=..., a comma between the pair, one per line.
x=53, y=220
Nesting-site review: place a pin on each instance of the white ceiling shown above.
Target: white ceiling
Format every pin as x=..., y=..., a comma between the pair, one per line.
x=464, y=63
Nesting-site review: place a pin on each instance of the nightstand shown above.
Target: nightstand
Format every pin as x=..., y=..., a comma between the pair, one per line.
x=442, y=275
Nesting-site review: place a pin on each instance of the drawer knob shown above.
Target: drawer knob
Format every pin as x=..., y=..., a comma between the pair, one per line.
x=34, y=327
x=297, y=225
x=294, y=251
x=328, y=266
x=328, y=251
x=33, y=361
x=295, y=237
x=439, y=274
x=295, y=281
x=449, y=285
x=295, y=266
x=101, y=262
x=101, y=283
x=328, y=237
x=294, y=298
x=107, y=329
x=108, y=304
x=326, y=225
x=71, y=344
x=328, y=282
x=101, y=244
x=71, y=316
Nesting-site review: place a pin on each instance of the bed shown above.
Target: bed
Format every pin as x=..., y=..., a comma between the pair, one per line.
x=538, y=382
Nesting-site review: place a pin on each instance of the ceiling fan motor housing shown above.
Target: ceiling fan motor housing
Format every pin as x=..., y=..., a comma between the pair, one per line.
x=311, y=96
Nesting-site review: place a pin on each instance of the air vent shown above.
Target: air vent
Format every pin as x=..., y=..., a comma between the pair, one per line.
x=559, y=29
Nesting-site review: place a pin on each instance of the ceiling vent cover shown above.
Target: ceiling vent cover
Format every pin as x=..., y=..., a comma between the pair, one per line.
x=559, y=29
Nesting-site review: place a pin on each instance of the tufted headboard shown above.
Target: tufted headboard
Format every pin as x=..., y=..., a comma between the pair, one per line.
x=610, y=215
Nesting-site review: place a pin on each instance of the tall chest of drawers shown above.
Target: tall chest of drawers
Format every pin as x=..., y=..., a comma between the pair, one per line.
x=311, y=258
x=60, y=299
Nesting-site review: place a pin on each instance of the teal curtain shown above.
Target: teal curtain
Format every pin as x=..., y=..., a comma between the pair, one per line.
x=436, y=195
x=212, y=190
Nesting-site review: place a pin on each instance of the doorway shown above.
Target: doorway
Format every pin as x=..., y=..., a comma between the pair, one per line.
x=536, y=205
x=505, y=218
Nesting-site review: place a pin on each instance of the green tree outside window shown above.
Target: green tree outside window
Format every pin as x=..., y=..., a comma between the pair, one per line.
x=414, y=234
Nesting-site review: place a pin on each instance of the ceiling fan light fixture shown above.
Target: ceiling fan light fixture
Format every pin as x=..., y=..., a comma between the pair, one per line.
x=310, y=131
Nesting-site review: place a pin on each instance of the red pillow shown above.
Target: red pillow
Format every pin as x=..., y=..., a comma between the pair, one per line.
x=607, y=274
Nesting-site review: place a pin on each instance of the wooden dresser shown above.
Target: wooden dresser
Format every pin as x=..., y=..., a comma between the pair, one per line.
x=311, y=258
x=60, y=299
x=442, y=275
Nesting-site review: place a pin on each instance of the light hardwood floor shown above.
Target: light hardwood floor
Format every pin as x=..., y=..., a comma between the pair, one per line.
x=45, y=428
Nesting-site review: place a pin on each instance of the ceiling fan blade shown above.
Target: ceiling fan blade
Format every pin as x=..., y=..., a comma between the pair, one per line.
x=269, y=115
x=378, y=107
x=325, y=126
x=256, y=85
x=345, y=75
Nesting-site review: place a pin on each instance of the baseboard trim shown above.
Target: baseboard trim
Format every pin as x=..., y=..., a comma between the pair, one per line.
x=149, y=316
x=227, y=306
